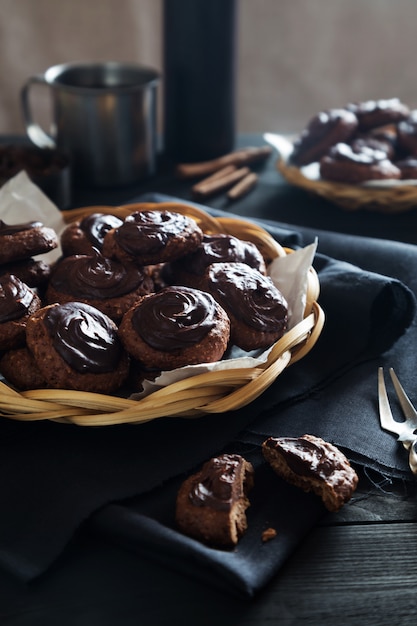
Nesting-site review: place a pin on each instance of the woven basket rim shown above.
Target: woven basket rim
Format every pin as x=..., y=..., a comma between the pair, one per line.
x=395, y=199
x=212, y=392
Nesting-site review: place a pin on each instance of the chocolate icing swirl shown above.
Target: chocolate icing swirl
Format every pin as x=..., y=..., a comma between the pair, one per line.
x=97, y=277
x=15, y=298
x=175, y=318
x=97, y=225
x=221, y=248
x=304, y=457
x=248, y=295
x=12, y=229
x=149, y=231
x=220, y=483
x=84, y=337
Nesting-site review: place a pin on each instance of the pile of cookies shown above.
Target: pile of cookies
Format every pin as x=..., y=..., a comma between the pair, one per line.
x=369, y=140
x=128, y=299
x=211, y=504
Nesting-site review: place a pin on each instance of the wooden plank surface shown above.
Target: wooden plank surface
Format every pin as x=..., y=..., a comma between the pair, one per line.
x=351, y=574
x=363, y=574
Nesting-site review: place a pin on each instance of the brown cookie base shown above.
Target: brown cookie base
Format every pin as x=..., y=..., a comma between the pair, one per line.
x=312, y=464
x=74, y=240
x=24, y=244
x=19, y=368
x=220, y=525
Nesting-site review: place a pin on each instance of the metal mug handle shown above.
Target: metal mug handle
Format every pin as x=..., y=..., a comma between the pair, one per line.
x=35, y=133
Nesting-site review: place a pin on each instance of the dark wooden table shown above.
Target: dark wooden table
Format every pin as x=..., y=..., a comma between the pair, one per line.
x=356, y=567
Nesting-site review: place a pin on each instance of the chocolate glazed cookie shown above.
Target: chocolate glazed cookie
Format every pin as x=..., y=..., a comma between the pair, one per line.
x=257, y=310
x=211, y=504
x=175, y=327
x=103, y=283
x=219, y=248
x=323, y=131
x=76, y=346
x=150, y=237
x=22, y=241
x=82, y=236
x=312, y=464
x=348, y=165
x=375, y=113
x=33, y=272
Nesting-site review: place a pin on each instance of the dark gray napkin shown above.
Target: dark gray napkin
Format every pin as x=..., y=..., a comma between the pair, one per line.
x=56, y=476
x=330, y=393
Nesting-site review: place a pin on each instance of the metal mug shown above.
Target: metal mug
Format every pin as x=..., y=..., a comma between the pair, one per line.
x=104, y=118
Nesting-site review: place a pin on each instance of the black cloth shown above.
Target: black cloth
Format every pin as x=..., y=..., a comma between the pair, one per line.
x=123, y=479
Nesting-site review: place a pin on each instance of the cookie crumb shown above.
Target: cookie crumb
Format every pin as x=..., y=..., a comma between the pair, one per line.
x=268, y=534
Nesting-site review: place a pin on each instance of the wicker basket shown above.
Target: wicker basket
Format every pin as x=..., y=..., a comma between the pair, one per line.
x=396, y=198
x=213, y=392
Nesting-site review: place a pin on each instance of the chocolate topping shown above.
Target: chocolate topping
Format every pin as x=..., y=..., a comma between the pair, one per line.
x=12, y=229
x=175, y=318
x=148, y=231
x=96, y=226
x=320, y=123
x=222, y=249
x=250, y=296
x=320, y=128
x=221, y=482
x=15, y=298
x=304, y=457
x=373, y=113
x=359, y=154
x=84, y=337
x=96, y=277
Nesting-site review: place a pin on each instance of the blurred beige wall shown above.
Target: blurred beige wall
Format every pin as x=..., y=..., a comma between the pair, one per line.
x=295, y=57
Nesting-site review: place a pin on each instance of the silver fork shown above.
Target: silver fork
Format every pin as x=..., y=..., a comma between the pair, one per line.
x=406, y=430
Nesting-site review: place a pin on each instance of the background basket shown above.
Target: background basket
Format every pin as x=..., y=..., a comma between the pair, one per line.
x=385, y=199
x=212, y=392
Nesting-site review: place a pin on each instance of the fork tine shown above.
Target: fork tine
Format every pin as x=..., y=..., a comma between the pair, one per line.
x=385, y=416
x=405, y=402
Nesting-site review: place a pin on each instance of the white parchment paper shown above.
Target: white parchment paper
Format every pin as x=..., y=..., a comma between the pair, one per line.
x=22, y=201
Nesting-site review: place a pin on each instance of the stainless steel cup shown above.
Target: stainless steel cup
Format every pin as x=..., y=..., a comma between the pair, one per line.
x=104, y=119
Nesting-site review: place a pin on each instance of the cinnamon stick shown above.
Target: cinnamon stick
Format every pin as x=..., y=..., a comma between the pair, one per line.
x=224, y=171
x=243, y=186
x=239, y=158
x=204, y=189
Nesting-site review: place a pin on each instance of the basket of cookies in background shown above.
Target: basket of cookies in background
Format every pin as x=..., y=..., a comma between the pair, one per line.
x=360, y=156
x=148, y=313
